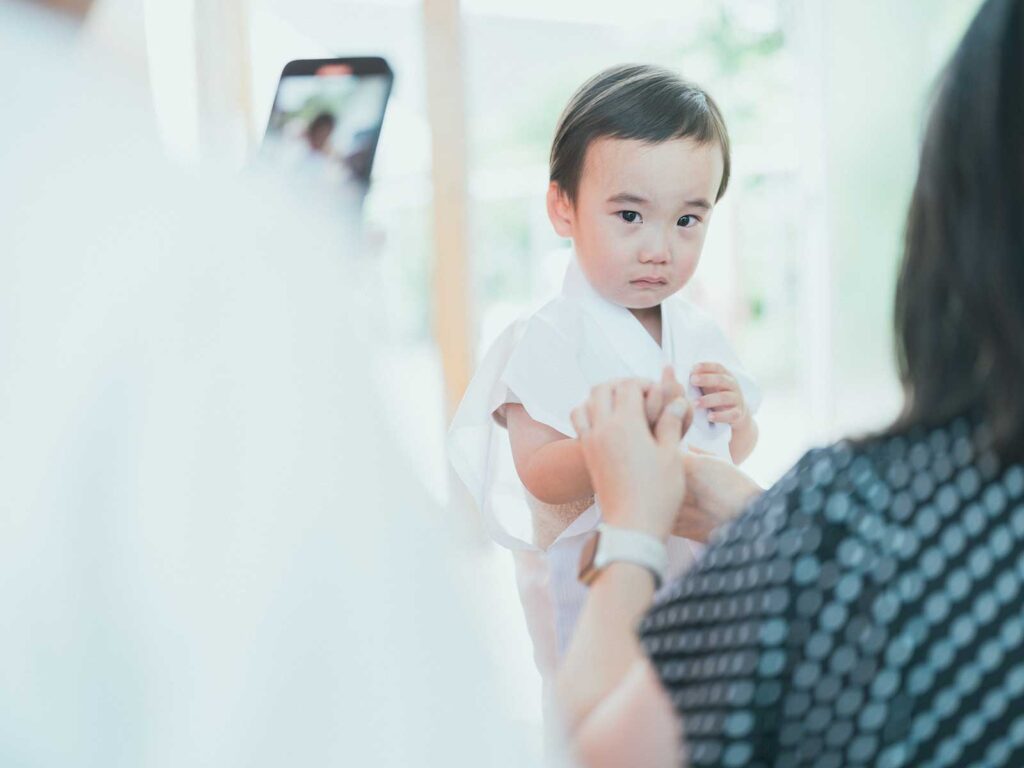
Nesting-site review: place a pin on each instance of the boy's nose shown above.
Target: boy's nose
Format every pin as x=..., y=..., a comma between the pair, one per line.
x=656, y=252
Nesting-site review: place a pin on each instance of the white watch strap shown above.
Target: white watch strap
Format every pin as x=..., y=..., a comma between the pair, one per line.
x=624, y=545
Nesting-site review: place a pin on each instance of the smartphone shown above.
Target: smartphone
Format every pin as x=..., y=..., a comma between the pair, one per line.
x=327, y=117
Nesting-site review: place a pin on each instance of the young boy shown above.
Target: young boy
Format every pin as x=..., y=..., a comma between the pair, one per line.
x=640, y=158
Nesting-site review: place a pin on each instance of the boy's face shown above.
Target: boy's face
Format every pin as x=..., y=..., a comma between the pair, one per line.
x=641, y=214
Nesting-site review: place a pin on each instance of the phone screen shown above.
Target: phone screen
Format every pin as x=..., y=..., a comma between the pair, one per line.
x=326, y=120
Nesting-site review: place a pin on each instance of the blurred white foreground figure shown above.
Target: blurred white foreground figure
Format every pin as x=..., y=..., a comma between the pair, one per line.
x=210, y=551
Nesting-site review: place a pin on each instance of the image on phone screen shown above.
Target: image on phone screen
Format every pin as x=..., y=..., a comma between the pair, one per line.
x=326, y=120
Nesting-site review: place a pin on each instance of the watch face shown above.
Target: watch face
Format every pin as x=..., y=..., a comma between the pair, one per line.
x=587, y=570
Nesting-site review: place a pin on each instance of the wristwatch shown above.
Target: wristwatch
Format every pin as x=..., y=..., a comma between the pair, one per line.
x=612, y=545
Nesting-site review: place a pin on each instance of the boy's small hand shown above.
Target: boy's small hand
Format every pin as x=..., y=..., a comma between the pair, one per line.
x=720, y=394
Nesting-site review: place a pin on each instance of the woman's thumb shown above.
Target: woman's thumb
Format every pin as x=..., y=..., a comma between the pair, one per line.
x=674, y=422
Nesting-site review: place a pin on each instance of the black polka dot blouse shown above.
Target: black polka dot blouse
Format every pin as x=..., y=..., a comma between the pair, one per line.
x=867, y=610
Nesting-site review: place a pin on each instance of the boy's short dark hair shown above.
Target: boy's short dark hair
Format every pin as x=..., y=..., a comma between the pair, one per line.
x=634, y=101
x=323, y=120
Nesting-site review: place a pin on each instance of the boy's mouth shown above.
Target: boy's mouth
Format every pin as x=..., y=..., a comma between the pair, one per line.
x=648, y=282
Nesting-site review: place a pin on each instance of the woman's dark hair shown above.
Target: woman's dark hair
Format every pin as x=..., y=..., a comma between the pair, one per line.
x=959, y=316
x=634, y=102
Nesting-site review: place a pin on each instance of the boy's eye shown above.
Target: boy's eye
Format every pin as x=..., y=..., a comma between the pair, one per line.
x=631, y=217
x=687, y=221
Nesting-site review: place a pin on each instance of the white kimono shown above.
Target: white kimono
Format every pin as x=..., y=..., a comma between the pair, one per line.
x=549, y=362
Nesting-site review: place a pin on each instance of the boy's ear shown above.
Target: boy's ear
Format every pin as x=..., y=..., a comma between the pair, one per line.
x=560, y=210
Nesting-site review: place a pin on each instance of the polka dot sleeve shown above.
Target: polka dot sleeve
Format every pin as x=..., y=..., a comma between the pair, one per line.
x=770, y=650
x=718, y=639
x=864, y=611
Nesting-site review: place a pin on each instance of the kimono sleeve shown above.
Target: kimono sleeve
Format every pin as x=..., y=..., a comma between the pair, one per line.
x=472, y=437
x=544, y=373
x=532, y=362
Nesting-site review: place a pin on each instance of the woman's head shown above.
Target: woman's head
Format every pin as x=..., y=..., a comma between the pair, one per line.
x=960, y=294
x=640, y=158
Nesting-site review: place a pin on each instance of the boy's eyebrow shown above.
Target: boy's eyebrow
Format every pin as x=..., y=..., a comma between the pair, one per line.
x=629, y=197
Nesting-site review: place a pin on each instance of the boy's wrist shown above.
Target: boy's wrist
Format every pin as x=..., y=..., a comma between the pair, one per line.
x=744, y=423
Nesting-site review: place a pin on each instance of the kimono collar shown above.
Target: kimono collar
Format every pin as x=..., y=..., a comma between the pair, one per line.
x=626, y=335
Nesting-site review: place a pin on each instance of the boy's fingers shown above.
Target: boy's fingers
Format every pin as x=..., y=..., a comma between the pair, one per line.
x=687, y=419
x=718, y=400
x=579, y=420
x=726, y=417
x=642, y=385
x=698, y=451
x=709, y=368
x=654, y=401
x=599, y=404
x=629, y=396
x=670, y=384
x=713, y=381
x=673, y=422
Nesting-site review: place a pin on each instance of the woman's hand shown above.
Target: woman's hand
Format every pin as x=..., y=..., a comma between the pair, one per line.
x=716, y=492
x=659, y=394
x=638, y=476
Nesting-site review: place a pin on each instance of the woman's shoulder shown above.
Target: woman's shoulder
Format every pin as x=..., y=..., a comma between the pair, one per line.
x=825, y=482
x=550, y=327
x=801, y=493
x=915, y=460
x=832, y=493
x=867, y=490
x=838, y=560
x=868, y=467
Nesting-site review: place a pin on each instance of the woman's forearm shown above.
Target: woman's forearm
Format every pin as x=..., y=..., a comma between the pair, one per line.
x=716, y=492
x=604, y=644
x=614, y=709
x=636, y=725
x=640, y=477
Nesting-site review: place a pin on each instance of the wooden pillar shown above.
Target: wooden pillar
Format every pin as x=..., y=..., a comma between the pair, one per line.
x=446, y=108
x=223, y=79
